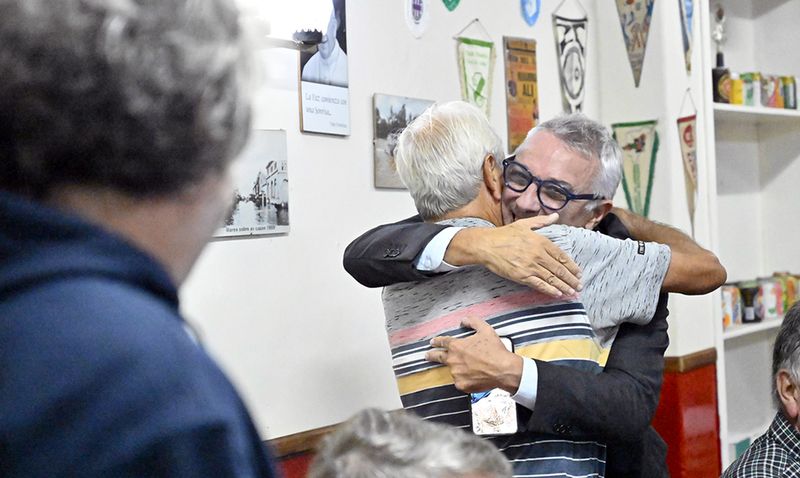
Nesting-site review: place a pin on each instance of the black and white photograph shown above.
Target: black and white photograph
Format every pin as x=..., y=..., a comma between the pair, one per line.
x=260, y=199
x=328, y=66
x=392, y=115
x=324, y=93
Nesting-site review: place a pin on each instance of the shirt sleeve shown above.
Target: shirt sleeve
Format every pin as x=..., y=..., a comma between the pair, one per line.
x=622, y=278
x=528, y=385
x=432, y=257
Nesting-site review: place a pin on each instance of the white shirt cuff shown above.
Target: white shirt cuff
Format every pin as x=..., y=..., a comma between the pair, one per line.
x=432, y=257
x=528, y=385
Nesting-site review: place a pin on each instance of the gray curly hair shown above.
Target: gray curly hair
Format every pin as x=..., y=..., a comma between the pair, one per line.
x=141, y=96
x=378, y=444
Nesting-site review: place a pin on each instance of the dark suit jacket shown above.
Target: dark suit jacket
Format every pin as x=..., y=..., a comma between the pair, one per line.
x=615, y=407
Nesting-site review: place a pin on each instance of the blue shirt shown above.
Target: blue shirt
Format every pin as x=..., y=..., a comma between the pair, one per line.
x=98, y=376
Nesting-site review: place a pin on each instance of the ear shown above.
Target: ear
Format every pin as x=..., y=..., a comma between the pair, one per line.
x=493, y=177
x=788, y=394
x=599, y=212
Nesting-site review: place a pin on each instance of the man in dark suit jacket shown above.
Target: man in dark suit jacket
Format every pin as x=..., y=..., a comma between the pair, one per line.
x=616, y=406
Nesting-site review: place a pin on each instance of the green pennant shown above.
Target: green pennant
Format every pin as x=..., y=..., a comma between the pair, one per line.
x=451, y=4
x=639, y=144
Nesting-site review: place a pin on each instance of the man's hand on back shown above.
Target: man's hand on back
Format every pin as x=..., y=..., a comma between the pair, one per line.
x=516, y=252
x=479, y=362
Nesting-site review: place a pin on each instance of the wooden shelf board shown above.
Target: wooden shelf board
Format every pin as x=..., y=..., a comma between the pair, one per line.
x=739, y=330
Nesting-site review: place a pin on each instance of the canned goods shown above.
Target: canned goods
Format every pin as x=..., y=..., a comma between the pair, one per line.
x=789, y=92
x=789, y=284
x=752, y=88
x=737, y=90
x=794, y=293
x=750, y=299
x=731, y=305
x=784, y=281
x=771, y=296
x=771, y=91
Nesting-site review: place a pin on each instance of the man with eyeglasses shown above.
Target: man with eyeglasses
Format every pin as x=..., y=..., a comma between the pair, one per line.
x=573, y=165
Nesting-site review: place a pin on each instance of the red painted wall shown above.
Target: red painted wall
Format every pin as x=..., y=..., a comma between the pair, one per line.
x=296, y=466
x=687, y=420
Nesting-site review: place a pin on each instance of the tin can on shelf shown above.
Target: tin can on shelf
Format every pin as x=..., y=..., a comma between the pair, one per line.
x=789, y=92
x=750, y=311
x=771, y=91
x=731, y=305
x=752, y=88
x=789, y=285
x=737, y=90
x=771, y=295
x=794, y=289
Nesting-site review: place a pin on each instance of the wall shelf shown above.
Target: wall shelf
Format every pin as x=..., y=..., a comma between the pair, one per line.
x=739, y=330
x=753, y=114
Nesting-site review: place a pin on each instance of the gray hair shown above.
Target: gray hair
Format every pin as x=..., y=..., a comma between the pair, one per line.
x=786, y=352
x=592, y=140
x=440, y=155
x=378, y=444
x=141, y=96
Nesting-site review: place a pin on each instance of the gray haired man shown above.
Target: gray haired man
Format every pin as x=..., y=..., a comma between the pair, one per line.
x=569, y=165
x=119, y=120
x=776, y=453
x=378, y=444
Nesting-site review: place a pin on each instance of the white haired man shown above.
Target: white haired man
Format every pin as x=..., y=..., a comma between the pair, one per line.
x=120, y=119
x=448, y=159
x=378, y=444
x=776, y=453
x=567, y=154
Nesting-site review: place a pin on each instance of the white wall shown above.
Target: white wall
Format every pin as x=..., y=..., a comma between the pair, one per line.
x=660, y=94
x=303, y=341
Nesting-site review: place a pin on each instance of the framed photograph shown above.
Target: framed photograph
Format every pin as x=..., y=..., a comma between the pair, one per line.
x=261, y=188
x=324, y=93
x=392, y=115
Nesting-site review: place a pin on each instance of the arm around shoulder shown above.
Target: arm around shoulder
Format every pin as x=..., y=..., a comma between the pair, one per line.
x=693, y=270
x=385, y=255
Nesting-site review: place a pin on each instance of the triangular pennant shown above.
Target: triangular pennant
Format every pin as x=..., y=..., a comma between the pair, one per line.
x=475, y=65
x=687, y=127
x=687, y=16
x=571, y=49
x=530, y=10
x=451, y=4
x=417, y=17
x=639, y=144
x=634, y=18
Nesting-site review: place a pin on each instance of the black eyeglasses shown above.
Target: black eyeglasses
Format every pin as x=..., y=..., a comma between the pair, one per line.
x=551, y=195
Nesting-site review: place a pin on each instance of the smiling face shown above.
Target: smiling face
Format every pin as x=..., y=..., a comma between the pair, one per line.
x=548, y=158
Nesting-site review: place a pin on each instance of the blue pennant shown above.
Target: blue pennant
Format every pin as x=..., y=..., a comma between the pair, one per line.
x=530, y=10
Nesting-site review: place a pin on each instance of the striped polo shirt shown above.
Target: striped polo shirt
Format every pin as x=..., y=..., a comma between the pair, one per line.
x=621, y=280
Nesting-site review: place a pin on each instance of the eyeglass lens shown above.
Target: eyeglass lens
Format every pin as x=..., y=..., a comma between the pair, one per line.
x=550, y=195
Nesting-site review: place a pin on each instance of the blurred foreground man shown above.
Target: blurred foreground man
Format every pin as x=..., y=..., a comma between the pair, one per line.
x=118, y=122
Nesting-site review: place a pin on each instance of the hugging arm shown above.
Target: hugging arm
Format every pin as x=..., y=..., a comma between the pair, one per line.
x=385, y=255
x=693, y=270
